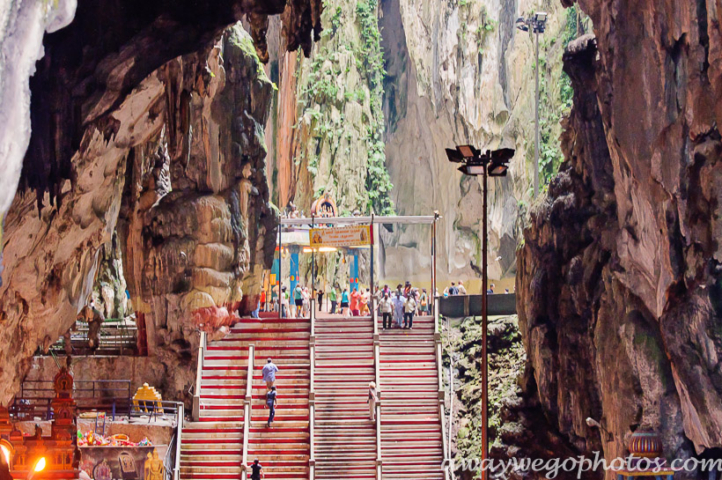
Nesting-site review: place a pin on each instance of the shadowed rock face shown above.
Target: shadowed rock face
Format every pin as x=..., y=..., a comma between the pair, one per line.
x=619, y=277
x=178, y=170
x=110, y=47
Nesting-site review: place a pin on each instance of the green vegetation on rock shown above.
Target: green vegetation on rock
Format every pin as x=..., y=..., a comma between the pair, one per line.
x=506, y=363
x=555, y=99
x=341, y=121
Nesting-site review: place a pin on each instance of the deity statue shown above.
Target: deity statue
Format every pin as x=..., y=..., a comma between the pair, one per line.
x=246, y=189
x=154, y=469
x=95, y=320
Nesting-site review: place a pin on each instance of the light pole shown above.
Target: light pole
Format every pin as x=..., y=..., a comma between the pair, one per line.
x=491, y=164
x=536, y=23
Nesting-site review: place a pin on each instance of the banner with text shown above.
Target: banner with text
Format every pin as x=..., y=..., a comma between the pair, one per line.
x=355, y=236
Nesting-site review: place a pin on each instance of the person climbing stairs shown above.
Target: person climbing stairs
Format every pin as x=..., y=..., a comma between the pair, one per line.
x=283, y=449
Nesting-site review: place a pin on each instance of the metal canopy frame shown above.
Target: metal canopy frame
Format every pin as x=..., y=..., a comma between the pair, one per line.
x=424, y=220
x=371, y=221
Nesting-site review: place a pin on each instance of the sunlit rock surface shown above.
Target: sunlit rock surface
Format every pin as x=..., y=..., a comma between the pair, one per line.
x=619, y=277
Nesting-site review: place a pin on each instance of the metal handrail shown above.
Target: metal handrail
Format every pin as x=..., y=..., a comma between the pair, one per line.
x=247, y=410
x=36, y=396
x=199, y=370
x=312, y=395
x=377, y=377
x=446, y=464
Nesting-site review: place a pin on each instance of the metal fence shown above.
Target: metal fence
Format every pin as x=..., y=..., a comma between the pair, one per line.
x=36, y=396
x=117, y=336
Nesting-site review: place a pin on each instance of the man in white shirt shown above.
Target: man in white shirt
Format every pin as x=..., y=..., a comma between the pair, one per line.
x=386, y=307
x=409, y=310
x=462, y=290
x=269, y=373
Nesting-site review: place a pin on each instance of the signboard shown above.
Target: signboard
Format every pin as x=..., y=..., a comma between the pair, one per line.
x=354, y=236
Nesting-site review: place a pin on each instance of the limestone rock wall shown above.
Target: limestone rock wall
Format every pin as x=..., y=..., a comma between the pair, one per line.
x=460, y=72
x=619, y=276
x=454, y=72
x=177, y=169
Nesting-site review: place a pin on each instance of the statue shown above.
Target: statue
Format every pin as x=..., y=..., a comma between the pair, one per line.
x=154, y=469
x=246, y=189
x=95, y=320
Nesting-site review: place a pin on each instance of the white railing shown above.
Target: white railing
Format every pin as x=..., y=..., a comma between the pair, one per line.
x=180, y=415
x=247, y=410
x=312, y=394
x=440, y=378
x=199, y=370
x=377, y=373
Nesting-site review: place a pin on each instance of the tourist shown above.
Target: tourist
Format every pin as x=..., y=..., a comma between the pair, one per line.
x=263, y=300
x=407, y=289
x=285, y=303
x=373, y=398
x=409, y=310
x=257, y=471
x=306, y=309
x=453, y=290
x=269, y=373
x=275, y=304
x=355, y=301
x=298, y=300
x=344, y=301
x=386, y=307
x=398, y=302
x=400, y=289
x=364, y=303
x=462, y=290
x=423, y=302
x=271, y=404
x=506, y=290
x=319, y=296
x=491, y=289
x=333, y=297
x=254, y=313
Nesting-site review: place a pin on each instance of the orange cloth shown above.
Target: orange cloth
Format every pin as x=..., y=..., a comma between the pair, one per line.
x=355, y=297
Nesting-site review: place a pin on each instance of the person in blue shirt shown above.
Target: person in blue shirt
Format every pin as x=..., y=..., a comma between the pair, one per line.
x=344, y=300
x=271, y=404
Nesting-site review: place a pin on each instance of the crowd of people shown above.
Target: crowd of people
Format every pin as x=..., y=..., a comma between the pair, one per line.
x=399, y=305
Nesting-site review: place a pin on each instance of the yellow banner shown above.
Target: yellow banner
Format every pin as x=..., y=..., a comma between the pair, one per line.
x=355, y=236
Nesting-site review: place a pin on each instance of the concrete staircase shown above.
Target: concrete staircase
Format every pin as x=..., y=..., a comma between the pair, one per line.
x=322, y=428
x=283, y=450
x=345, y=438
x=411, y=431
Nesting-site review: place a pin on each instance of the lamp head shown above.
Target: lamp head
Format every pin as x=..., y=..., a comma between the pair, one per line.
x=472, y=169
x=540, y=17
x=468, y=151
x=454, y=156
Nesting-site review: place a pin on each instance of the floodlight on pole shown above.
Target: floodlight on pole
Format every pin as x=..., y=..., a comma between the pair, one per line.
x=491, y=164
